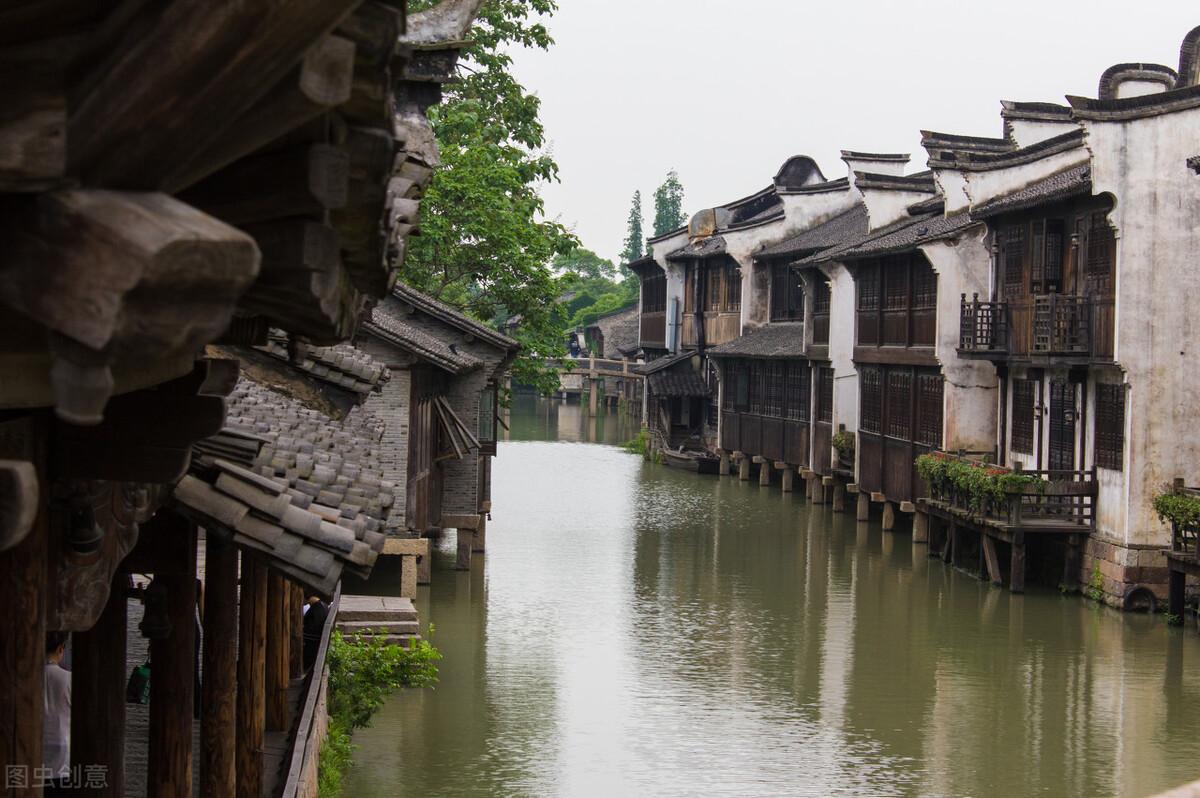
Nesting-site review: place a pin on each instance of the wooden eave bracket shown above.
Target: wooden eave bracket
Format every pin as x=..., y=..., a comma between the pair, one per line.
x=18, y=501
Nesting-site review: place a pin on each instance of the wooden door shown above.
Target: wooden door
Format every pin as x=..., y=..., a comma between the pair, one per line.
x=1062, y=426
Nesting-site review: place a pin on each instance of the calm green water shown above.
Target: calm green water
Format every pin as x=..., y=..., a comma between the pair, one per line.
x=635, y=630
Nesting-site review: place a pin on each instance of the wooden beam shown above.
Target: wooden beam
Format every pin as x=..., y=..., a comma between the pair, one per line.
x=375, y=29
x=98, y=692
x=184, y=82
x=172, y=697
x=251, y=700
x=304, y=180
x=319, y=83
x=33, y=122
x=279, y=638
x=18, y=501
x=218, y=730
x=990, y=558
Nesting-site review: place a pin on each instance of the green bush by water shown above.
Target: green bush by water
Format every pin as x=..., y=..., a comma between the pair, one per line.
x=363, y=672
x=639, y=445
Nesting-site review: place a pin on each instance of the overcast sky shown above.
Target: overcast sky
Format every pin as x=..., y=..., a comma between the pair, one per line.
x=725, y=92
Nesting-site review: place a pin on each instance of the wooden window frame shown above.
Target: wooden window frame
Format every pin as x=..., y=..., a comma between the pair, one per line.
x=1024, y=421
x=1109, y=431
x=871, y=399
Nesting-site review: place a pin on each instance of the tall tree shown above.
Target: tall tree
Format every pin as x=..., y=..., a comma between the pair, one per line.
x=485, y=245
x=584, y=263
x=668, y=205
x=634, y=240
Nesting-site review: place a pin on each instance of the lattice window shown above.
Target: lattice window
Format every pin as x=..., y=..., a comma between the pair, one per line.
x=1100, y=248
x=870, y=382
x=867, y=280
x=821, y=297
x=895, y=283
x=1110, y=426
x=733, y=287
x=1022, y=415
x=1053, y=258
x=799, y=376
x=929, y=409
x=787, y=294
x=1012, y=255
x=776, y=377
x=715, y=279
x=825, y=398
x=899, y=404
x=924, y=280
x=742, y=392
x=654, y=294
x=732, y=372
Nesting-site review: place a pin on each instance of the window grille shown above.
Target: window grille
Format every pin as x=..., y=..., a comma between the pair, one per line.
x=1022, y=415
x=899, y=404
x=1110, y=426
x=871, y=398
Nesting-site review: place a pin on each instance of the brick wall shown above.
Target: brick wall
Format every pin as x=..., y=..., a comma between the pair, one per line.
x=391, y=406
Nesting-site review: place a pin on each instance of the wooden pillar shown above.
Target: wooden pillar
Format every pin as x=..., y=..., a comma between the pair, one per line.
x=826, y=493
x=296, y=627
x=785, y=482
x=839, y=497
x=172, y=697
x=1176, y=584
x=863, y=510
x=1071, y=564
x=593, y=394
x=408, y=576
x=480, y=540
x=818, y=490
x=744, y=468
x=425, y=567
x=723, y=467
x=278, y=661
x=949, y=551
x=764, y=472
x=1016, y=578
x=466, y=540
x=251, y=704
x=218, y=721
x=920, y=527
x=990, y=559
x=98, y=693
x=889, y=516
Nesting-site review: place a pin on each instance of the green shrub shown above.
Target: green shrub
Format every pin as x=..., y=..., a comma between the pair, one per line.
x=363, y=672
x=1178, y=508
x=640, y=444
x=843, y=442
x=979, y=482
x=1095, y=585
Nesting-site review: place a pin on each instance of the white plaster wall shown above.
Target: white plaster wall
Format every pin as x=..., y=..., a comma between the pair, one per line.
x=877, y=166
x=952, y=185
x=802, y=211
x=661, y=248
x=1027, y=132
x=971, y=386
x=1111, y=508
x=886, y=206
x=1139, y=88
x=983, y=186
x=1142, y=164
x=841, y=346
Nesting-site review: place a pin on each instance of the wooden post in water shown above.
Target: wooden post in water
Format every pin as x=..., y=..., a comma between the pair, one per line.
x=479, y=541
x=863, y=509
x=98, y=692
x=723, y=467
x=839, y=497
x=1071, y=564
x=1176, y=583
x=218, y=729
x=278, y=659
x=251, y=703
x=789, y=474
x=172, y=685
x=744, y=468
x=764, y=470
x=889, y=516
x=1016, y=577
x=990, y=559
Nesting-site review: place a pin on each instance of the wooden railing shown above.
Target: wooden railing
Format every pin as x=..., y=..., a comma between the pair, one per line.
x=594, y=366
x=1059, y=496
x=1049, y=324
x=1185, y=538
x=983, y=326
x=305, y=741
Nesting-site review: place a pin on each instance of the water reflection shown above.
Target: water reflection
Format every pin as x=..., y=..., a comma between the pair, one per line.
x=637, y=630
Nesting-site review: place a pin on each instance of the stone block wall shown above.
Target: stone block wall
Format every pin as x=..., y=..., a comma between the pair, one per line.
x=1121, y=569
x=392, y=406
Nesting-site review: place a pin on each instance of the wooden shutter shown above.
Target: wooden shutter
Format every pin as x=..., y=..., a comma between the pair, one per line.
x=733, y=287
x=1100, y=250
x=930, y=387
x=825, y=398
x=1110, y=426
x=870, y=380
x=898, y=401
x=1012, y=255
x=798, y=390
x=1022, y=415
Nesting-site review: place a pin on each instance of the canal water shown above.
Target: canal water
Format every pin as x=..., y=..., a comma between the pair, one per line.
x=634, y=630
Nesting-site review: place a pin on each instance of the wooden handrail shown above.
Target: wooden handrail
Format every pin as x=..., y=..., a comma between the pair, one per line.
x=312, y=688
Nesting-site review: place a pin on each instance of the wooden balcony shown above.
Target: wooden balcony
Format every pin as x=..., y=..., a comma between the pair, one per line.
x=718, y=327
x=653, y=332
x=1047, y=325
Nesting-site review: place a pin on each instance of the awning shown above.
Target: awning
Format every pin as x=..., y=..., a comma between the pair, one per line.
x=677, y=383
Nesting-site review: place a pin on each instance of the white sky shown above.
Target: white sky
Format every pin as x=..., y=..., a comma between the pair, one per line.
x=725, y=91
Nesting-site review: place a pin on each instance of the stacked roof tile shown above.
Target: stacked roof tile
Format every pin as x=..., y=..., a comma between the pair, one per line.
x=396, y=330
x=680, y=382
x=342, y=365
x=1063, y=185
x=776, y=340
x=849, y=224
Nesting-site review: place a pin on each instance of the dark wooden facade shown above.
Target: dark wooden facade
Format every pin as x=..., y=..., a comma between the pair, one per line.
x=712, y=302
x=653, y=323
x=767, y=409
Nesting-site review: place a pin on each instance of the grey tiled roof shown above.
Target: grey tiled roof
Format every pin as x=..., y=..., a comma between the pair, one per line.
x=342, y=365
x=703, y=248
x=659, y=364
x=452, y=316
x=849, y=224
x=773, y=341
x=905, y=236
x=680, y=382
x=1069, y=183
x=621, y=332
x=394, y=329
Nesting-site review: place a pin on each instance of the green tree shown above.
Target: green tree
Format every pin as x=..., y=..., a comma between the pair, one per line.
x=485, y=245
x=635, y=240
x=585, y=263
x=668, y=205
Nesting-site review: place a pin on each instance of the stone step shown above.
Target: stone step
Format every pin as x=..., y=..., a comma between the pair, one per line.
x=377, y=627
x=376, y=608
x=404, y=641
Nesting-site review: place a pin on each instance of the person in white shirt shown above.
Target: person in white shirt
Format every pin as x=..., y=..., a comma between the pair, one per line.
x=56, y=742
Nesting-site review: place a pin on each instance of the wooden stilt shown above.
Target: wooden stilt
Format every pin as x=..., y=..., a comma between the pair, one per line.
x=480, y=540
x=955, y=545
x=920, y=527
x=1016, y=578
x=889, y=516
x=785, y=481
x=1176, y=583
x=172, y=696
x=1071, y=564
x=764, y=472
x=218, y=729
x=251, y=703
x=990, y=559
x=948, y=543
x=863, y=510
x=744, y=469
x=466, y=538
x=278, y=640
x=839, y=497
x=723, y=466
x=98, y=692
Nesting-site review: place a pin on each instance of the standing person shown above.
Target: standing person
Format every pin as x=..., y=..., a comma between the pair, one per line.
x=56, y=742
x=314, y=621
